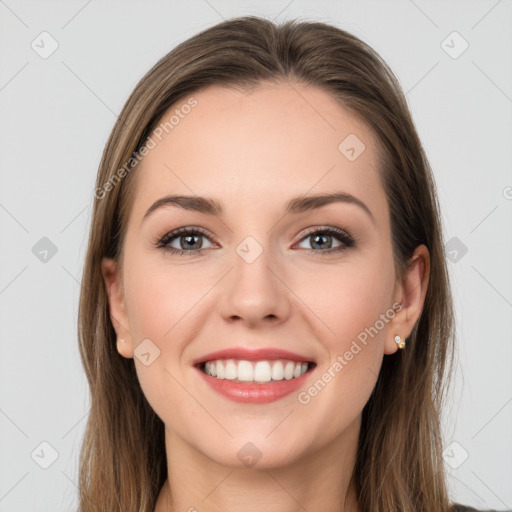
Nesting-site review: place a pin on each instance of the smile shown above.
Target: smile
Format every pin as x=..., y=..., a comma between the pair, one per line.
x=254, y=376
x=255, y=371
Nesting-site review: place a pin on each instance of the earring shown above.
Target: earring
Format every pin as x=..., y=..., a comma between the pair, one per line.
x=399, y=341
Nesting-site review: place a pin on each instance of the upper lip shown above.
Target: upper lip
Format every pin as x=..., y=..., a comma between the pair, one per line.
x=260, y=354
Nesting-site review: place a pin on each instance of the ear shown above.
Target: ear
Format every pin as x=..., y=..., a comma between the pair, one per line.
x=118, y=315
x=411, y=294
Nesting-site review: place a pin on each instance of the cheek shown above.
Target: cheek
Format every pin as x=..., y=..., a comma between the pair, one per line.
x=350, y=299
x=160, y=305
x=161, y=298
x=355, y=309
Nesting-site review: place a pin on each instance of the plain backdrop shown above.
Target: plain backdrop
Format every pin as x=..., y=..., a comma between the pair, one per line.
x=60, y=93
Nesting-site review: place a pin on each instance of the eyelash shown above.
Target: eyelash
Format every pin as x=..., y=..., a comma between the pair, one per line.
x=343, y=236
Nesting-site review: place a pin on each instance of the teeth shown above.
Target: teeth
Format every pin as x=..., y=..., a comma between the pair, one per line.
x=262, y=371
x=255, y=371
x=231, y=370
x=278, y=370
x=245, y=371
x=219, y=368
x=288, y=370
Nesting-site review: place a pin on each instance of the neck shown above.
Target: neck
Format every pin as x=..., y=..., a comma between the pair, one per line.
x=319, y=480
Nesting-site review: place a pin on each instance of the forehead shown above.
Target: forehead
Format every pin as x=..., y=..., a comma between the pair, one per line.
x=259, y=148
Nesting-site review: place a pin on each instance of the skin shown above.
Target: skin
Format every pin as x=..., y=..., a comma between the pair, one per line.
x=252, y=152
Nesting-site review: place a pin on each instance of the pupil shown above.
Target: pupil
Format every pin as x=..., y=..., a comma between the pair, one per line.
x=187, y=239
x=324, y=237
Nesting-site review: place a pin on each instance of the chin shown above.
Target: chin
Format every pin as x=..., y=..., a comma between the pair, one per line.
x=259, y=453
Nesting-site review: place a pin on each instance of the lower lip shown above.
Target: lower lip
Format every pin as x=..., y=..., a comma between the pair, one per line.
x=254, y=393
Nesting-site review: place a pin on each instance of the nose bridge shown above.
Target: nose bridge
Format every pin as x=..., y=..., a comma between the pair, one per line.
x=254, y=291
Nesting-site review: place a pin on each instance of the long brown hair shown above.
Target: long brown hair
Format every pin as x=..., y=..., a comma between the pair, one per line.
x=399, y=465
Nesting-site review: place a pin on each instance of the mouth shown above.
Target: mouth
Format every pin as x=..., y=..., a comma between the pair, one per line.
x=254, y=376
x=255, y=372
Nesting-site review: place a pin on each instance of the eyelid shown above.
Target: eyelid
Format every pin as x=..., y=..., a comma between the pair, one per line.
x=328, y=229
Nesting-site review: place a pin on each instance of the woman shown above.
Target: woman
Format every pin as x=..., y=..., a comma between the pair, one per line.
x=234, y=362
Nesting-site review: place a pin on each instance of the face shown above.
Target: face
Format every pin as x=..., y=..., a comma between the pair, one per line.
x=271, y=288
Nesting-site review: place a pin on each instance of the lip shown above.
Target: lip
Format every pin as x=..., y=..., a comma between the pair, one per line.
x=260, y=354
x=254, y=393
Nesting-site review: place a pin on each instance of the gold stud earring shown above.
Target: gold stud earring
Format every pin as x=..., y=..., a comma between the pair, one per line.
x=400, y=342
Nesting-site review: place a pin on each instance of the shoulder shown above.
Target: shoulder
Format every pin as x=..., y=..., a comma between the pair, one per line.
x=457, y=507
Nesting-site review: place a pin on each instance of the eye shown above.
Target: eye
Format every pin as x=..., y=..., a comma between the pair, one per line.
x=188, y=241
x=322, y=240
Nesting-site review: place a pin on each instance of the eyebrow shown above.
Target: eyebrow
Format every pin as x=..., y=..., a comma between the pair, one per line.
x=295, y=206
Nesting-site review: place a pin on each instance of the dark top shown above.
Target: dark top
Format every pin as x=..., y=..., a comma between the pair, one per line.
x=457, y=507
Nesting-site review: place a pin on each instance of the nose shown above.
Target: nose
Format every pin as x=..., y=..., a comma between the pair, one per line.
x=255, y=292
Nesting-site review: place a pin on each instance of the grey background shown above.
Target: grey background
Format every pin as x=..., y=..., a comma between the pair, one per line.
x=56, y=114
